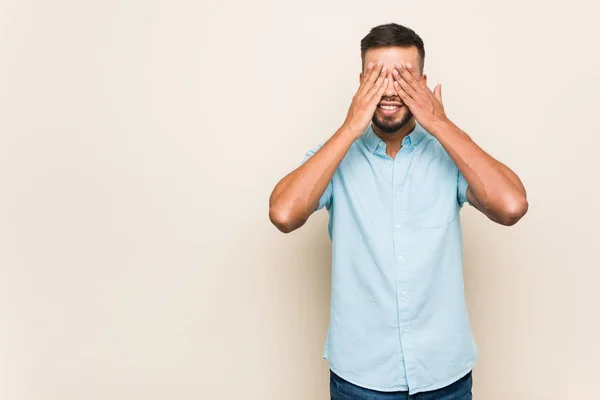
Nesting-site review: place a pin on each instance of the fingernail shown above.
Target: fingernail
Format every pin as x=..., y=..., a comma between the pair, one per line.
x=385, y=80
x=398, y=65
x=383, y=71
x=408, y=65
x=395, y=71
x=370, y=65
x=395, y=83
x=379, y=62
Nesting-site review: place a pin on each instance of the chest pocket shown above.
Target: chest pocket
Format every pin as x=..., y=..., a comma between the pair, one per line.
x=432, y=202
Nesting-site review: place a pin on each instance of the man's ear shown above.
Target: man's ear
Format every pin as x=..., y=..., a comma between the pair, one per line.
x=425, y=79
x=360, y=78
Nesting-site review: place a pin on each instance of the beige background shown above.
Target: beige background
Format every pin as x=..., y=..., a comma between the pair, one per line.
x=140, y=140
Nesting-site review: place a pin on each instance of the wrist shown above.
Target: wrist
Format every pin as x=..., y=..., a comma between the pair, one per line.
x=347, y=130
x=440, y=126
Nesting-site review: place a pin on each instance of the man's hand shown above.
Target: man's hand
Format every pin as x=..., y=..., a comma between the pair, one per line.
x=493, y=188
x=425, y=105
x=365, y=101
x=298, y=194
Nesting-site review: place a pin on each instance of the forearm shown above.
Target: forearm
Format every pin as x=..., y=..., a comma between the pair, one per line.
x=497, y=189
x=297, y=195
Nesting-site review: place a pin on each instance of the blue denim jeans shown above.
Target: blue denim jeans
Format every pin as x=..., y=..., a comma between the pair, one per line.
x=341, y=389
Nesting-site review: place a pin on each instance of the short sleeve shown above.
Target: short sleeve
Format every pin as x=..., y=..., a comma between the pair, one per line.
x=462, y=189
x=327, y=197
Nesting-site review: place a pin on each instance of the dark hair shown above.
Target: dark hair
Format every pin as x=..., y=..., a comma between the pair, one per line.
x=392, y=35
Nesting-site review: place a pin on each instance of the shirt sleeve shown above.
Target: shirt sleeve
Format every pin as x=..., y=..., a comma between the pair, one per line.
x=327, y=198
x=462, y=190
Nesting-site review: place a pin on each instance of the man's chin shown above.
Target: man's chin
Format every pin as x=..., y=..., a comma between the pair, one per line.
x=388, y=126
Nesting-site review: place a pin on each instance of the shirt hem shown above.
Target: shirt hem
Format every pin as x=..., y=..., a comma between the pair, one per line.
x=352, y=381
x=435, y=386
x=445, y=383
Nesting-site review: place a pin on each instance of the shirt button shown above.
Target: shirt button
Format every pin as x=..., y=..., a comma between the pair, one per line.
x=404, y=330
x=403, y=294
x=401, y=259
x=390, y=162
x=398, y=226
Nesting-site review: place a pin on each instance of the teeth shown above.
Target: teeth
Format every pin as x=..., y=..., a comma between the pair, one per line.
x=388, y=107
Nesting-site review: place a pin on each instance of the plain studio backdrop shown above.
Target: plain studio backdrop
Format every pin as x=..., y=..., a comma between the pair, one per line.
x=139, y=144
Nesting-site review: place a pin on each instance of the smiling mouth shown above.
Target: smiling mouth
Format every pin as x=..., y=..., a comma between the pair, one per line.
x=389, y=108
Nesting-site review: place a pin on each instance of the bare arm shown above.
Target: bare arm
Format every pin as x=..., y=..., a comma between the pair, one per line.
x=297, y=195
x=494, y=189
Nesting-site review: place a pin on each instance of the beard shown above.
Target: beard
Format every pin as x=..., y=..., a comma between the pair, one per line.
x=389, y=124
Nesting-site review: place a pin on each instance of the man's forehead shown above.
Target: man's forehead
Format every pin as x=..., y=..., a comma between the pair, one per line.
x=392, y=55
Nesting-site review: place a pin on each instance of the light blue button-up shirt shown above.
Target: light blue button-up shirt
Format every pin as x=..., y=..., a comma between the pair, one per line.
x=398, y=318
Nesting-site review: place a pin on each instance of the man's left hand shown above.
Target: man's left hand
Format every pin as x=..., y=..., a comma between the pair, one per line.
x=425, y=105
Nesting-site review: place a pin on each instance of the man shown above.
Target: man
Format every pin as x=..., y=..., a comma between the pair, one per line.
x=394, y=178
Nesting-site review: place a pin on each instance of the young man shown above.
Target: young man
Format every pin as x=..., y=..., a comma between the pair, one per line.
x=394, y=178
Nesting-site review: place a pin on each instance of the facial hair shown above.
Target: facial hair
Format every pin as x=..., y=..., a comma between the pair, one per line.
x=391, y=126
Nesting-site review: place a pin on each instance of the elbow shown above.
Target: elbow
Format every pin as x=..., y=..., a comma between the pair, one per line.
x=282, y=219
x=514, y=211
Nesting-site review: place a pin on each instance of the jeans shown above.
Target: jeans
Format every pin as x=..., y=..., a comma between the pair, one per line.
x=341, y=389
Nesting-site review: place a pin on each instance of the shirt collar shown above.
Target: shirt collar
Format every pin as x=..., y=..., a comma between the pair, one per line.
x=412, y=140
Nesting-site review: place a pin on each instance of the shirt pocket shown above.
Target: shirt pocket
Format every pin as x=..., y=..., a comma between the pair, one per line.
x=433, y=206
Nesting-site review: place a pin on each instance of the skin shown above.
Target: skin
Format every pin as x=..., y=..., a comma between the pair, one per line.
x=392, y=75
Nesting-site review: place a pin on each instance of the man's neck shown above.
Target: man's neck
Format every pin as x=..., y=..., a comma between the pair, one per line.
x=393, y=141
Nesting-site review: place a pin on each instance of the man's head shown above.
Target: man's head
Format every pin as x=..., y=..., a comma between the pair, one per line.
x=392, y=43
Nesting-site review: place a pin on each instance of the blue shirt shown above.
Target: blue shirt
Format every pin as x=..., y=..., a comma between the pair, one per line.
x=398, y=317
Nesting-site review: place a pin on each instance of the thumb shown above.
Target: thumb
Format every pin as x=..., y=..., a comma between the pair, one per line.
x=437, y=92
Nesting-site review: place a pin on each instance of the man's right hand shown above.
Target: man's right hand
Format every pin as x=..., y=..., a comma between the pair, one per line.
x=298, y=194
x=367, y=97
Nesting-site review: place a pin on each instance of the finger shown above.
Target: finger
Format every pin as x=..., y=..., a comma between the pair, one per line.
x=377, y=83
x=406, y=99
x=379, y=94
x=437, y=92
x=404, y=85
x=363, y=82
x=379, y=87
x=415, y=74
x=367, y=73
x=398, y=79
x=375, y=72
x=405, y=74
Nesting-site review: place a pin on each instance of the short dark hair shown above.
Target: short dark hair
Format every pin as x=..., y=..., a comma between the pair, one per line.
x=392, y=35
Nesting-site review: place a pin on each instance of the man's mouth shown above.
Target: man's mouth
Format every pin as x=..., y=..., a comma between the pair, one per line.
x=389, y=109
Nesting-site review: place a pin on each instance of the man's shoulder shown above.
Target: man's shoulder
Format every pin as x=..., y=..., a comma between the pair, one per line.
x=433, y=148
x=354, y=149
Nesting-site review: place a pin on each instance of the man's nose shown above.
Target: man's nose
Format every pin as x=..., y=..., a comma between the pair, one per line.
x=390, y=91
